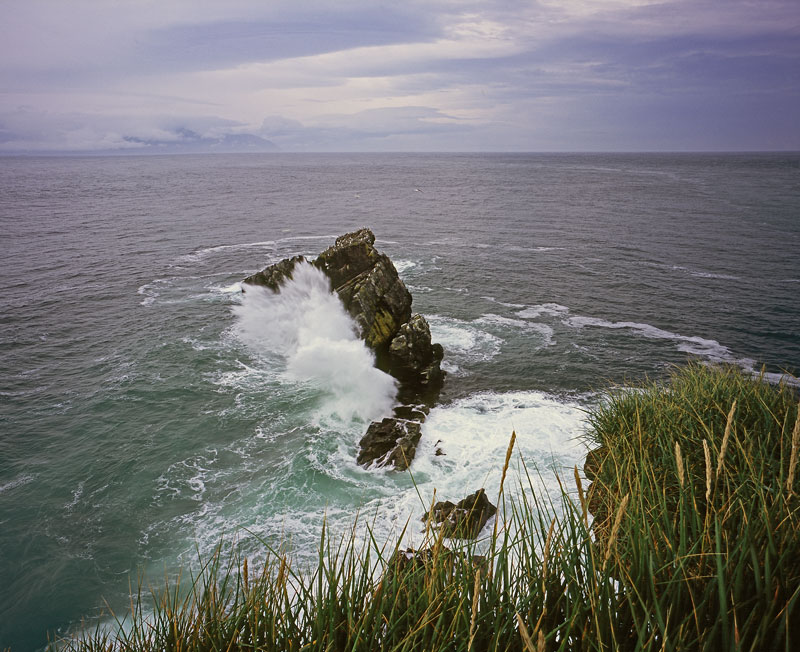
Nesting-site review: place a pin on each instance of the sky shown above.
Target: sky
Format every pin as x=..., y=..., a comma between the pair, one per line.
x=368, y=75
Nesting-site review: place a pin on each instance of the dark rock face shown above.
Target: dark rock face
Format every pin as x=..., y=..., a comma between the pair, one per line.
x=415, y=360
x=464, y=519
x=274, y=275
x=368, y=285
x=391, y=442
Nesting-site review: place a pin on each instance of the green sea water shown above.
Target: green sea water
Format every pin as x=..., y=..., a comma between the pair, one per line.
x=149, y=409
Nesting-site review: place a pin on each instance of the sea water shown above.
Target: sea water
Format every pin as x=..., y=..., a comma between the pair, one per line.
x=150, y=410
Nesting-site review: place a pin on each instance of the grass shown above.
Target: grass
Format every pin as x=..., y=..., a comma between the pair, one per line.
x=694, y=545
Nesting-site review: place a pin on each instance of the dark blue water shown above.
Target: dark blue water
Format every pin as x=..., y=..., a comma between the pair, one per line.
x=148, y=408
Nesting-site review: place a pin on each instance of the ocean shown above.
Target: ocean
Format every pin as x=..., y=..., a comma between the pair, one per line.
x=150, y=411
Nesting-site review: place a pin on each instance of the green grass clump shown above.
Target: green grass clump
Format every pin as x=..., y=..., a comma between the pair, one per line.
x=694, y=545
x=710, y=539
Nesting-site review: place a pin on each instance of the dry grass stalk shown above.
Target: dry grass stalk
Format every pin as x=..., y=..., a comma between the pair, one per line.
x=546, y=554
x=707, y=455
x=679, y=463
x=582, y=497
x=524, y=635
x=475, y=599
x=725, y=438
x=615, y=528
x=503, y=478
x=508, y=459
x=794, y=454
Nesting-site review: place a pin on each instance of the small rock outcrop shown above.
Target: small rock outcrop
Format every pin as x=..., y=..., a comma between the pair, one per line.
x=273, y=276
x=390, y=442
x=464, y=519
x=415, y=360
x=372, y=292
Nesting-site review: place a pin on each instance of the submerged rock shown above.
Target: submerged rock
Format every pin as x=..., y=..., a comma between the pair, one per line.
x=464, y=519
x=391, y=442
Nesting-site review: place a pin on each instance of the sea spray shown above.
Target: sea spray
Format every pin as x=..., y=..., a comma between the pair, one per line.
x=305, y=328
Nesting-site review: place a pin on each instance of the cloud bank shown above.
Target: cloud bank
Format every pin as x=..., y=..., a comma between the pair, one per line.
x=357, y=75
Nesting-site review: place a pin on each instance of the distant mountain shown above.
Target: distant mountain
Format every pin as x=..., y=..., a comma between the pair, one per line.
x=191, y=142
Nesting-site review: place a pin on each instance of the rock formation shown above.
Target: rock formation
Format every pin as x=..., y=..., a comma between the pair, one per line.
x=273, y=276
x=372, y=292
x=464, y=519
x=415, y=360
x=368, y=285
x=390, y=442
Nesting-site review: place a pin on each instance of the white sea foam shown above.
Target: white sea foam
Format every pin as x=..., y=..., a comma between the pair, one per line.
x=726, y=277
x=503, y=303
x=541, y=309
x=463, y=340
x=471, y=437
x=498, y=320
x=234, y=288
x=697, y=273
x=199, y=254
x=462, y=449
x=307, y=327
x=710, y=349
x=76, y=496
x=403, y=266
x=149, y=292
x=19, y=481
x=520, y=324
x=534, y=249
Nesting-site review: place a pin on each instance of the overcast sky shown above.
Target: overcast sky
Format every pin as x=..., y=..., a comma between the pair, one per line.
x=367, y=75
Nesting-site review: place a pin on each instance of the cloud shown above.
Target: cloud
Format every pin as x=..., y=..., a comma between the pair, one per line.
x=435, y=74
x=369, y=130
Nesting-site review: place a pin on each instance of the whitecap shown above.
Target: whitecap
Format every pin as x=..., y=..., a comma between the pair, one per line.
x=726, y=277
x=462, y=339
x=19, y=481
x=503, y=303
x=76, y=496
x=538, y=310
x=234, y=288
x=149, y=292
x=200, y=254
x=403, y=266
x=540, y=249
x=694, y=345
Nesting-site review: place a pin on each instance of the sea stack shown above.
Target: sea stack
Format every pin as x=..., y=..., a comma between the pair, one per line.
x=372, y=292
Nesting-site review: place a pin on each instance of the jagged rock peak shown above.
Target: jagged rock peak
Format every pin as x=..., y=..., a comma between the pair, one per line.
x=362, y=235
x=368, y=285
x=274, y=275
